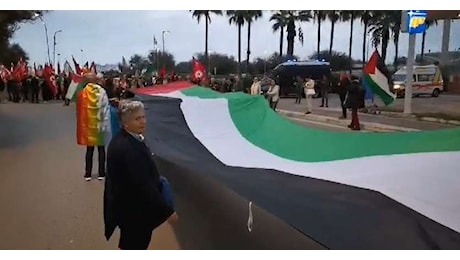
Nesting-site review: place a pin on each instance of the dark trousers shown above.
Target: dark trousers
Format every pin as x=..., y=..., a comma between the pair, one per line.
x=16, y=94
x=344, y=109
x=324, y=97
x=134, y=237
x=25, y=93
x=46, y=93
x=35, y=91
x=354, y=119
x=89, y=160
x=298, y=98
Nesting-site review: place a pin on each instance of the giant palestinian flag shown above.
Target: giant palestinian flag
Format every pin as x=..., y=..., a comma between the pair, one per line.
x=250, y=178
x=376, y=79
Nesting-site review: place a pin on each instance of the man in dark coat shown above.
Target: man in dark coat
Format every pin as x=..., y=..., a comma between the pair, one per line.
x=325, y=86
x=133, y=198
x=342, y=90
x=355, y=101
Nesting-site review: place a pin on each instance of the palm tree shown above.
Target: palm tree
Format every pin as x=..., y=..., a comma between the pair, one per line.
x=251, y=16
x=206, y=14
x=319, y=16
x=366, y=17
x=293, y=16
x=395, y=29
x=279, y=17
x=380, y=26
x=350, y=16
x=333, y=16
x=237, y=17
x=428, y=24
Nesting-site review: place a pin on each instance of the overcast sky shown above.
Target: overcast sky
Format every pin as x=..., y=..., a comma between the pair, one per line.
x=106, y=36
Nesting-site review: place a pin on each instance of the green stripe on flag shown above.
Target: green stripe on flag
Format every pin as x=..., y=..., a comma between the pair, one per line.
x=263, y=127
x=384, y=96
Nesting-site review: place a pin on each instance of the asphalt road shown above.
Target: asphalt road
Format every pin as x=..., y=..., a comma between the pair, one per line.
x=44, y=201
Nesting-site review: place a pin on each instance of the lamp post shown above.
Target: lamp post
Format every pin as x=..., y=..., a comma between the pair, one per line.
x=54, y=47
x=163, y=42
x=163, y=39
x=46, y=35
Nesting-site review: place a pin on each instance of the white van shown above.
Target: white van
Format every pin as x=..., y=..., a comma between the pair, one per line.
x=427, y=80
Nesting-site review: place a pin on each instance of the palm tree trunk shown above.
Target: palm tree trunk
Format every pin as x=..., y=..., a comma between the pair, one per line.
x=281, y=40
x=385, y=40
x=364, y=42
x=332, y=38
x=290, y=38
x=319, y=38
x=248, y=53
x=238, y=68
x=350, y=43
x=206, y=44
x=422, y=52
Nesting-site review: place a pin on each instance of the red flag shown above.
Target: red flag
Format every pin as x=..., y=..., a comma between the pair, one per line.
x=5, y=73
x=199, y=70
x=20, y=71
x=50, y=79
x=162, y=72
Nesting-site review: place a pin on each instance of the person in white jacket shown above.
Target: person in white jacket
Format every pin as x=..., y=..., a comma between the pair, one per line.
x=309, y=93
x=255, y=87
x=273, y=94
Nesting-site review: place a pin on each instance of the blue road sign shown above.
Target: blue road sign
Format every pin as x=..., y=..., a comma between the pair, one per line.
x=416, y=21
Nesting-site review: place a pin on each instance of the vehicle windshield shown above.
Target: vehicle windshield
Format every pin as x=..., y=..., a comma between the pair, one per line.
x=399, y=77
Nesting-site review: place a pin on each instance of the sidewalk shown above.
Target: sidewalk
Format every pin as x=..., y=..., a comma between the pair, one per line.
x=371, y=122
x=365, y=126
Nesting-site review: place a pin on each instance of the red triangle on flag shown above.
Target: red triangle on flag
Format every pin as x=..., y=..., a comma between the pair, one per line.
x=372, y=63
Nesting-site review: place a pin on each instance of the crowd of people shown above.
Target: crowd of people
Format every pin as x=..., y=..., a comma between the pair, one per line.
x=349, y=89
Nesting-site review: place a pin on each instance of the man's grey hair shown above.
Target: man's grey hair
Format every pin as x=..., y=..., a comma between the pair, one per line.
x=127, y=107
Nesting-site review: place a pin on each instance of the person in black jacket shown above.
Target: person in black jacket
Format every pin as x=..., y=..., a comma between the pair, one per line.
x=342, y=90
x=35, y=88
x=133, y=198
x=355, y=101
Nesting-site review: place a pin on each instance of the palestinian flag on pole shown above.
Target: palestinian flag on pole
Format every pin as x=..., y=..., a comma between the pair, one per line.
x=376, y=79
x=76, y=85
x=364, y=191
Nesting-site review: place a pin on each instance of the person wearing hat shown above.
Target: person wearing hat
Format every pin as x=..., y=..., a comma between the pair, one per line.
x=93, y=122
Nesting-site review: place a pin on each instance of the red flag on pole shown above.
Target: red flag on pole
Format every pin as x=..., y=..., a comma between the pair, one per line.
x=50, y=79
x=198, y=71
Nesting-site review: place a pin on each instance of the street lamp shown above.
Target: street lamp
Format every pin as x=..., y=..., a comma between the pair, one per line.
x=54, y=46
x=163, y=39
x=37, y=15
x=58, y=59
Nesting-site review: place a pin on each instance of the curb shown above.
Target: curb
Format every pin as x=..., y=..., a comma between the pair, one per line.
x=373, y=127
x=419, y=118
